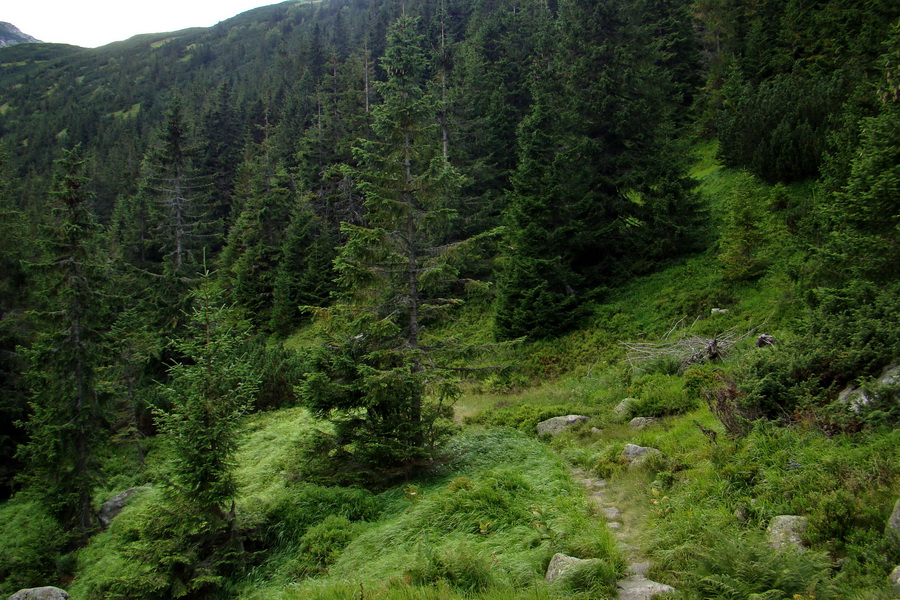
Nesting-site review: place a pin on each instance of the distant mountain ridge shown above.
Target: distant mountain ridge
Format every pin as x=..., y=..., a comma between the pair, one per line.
x=10, y=35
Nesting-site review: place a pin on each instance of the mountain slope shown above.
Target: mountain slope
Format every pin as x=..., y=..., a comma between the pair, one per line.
x=10, y=35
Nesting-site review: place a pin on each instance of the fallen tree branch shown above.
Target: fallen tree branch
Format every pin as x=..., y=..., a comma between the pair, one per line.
x=692, y=350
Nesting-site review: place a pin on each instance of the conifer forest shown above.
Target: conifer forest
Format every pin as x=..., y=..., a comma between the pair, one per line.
x=456, y=299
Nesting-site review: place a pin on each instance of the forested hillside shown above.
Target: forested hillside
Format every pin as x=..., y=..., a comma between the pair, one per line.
x=294, y=281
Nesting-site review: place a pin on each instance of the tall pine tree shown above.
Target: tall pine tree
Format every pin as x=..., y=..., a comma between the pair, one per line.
x=67, y=425
x=600, y=191
x=379, y=378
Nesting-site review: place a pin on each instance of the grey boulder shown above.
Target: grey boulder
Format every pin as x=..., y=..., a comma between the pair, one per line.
x=561, y=565
x=112, y=507
x=636, y=455
x=641, y=422
x=638, y=587
x=894, y=579
x=855, y=398
x=41, y=593
x=556, y=425
x=892, y=529
x=786, y=531
x=623, y=406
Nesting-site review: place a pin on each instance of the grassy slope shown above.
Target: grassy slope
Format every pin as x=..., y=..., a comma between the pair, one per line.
x=687, y=500
x=845, y=485
x=486, y=524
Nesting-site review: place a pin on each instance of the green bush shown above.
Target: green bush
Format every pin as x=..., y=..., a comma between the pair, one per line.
x=323, y=543
x=153, y=551
x=31, y=542
x=659, y=395
x=461, y=566
x=847, y=335
x=737, y=569
x=305, y=504
x=839, y=481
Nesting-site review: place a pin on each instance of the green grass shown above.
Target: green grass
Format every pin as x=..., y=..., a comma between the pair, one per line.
x=487, y=524
x=31, y=545
x=484, y=525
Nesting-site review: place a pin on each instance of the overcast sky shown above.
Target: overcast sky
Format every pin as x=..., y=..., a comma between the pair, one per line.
x=92, y=23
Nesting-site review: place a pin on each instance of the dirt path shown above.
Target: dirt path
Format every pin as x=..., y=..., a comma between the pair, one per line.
x=625, y=516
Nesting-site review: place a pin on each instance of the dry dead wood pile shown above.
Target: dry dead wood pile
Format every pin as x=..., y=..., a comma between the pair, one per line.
x=688, y=349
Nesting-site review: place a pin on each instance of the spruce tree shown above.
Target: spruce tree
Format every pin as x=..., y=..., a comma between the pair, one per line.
x=600, y=192
x=184, y=227
x=379, y=377
x=15, y=246
x=536, y=286
x=252, y=253
x=208, y=393
x=67, y=424
x=860, y=214
x=305, y=273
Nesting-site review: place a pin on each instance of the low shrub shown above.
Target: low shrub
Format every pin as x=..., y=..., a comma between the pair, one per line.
x=659, y=395
x=31, y=543
x=323, y=543
x=844, y=337
x=523, y=417
x=737, y=569
x=461, y=566
x=304, y=505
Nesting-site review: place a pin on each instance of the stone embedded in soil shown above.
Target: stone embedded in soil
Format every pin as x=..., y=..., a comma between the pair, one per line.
x=892, y=529
x=112, y=507
x=611, y=513
x=561, y=564
x=638, y=587
x=786, y=531
x=894, y=580
x=623, y=406
x=556, y=425
x=42, y=593
x=641, y=422
x=640, y=568
x=636, y=455
x=593, y=484
x=614, y=525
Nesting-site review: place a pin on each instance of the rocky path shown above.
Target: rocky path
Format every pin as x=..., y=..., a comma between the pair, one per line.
x=624, y=518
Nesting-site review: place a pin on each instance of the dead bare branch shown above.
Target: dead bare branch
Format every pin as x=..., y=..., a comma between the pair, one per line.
x=689, y=350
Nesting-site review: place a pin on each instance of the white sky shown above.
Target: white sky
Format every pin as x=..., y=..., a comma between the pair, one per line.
x=93, y=23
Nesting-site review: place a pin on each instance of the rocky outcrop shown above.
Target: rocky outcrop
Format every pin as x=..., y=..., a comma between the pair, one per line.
x=636, y=455
x=10, y=35
x=894, y=580
x=786, y=531
x=855, y=399
x=112, y=507
x=41, y=593
x=892, y=529
x=623, y=406
x=642, y=422
x=557, y=425
x=561, y=565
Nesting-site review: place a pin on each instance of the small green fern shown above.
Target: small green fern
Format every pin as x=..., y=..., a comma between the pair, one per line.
x=746, y=568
